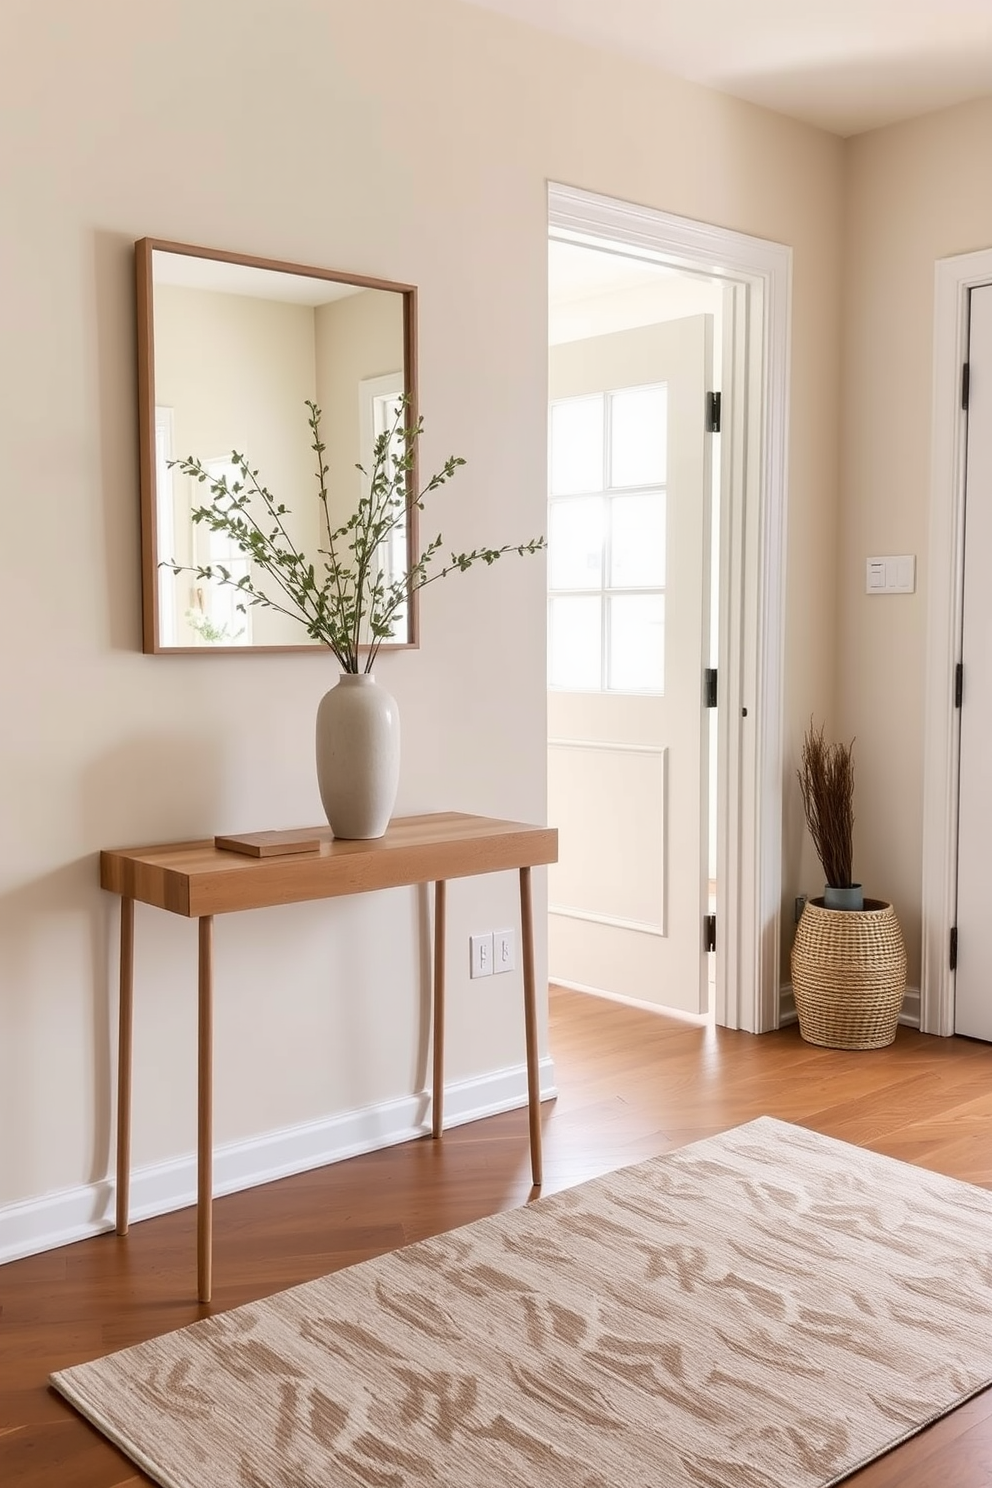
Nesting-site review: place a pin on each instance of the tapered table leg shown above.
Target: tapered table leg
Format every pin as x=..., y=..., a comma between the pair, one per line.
x=437, y=1101
x=205, y=1148
x=124, y=1038
x=530, y=1024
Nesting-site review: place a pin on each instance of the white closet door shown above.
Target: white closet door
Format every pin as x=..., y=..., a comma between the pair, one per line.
x=973, y=994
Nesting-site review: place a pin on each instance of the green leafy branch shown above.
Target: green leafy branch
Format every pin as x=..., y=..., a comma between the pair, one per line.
x=205, y=627
x=346, y=599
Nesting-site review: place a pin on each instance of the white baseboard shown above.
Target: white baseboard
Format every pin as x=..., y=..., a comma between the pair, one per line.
x=910, y=1015
x=35, y=1225
x=701, y=1019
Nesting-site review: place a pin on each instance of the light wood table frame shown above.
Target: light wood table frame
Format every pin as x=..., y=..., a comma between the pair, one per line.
x=198, y=880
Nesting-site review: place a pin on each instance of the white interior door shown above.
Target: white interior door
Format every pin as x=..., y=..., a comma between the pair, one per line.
x=628, y=598
x=973, y=981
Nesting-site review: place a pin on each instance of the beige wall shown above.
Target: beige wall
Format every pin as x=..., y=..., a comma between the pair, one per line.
x=412, y=142
x=916, y=192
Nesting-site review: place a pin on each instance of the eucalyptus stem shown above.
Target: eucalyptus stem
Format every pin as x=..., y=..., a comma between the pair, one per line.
x=347, y=598
x=378, y=480
x=213, y=515
x=318, y=449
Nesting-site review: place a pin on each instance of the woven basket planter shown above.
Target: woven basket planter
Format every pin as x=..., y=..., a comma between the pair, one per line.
x=849, y=975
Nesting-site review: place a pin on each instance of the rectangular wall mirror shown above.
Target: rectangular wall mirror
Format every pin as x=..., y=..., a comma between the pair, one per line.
x=230, y=348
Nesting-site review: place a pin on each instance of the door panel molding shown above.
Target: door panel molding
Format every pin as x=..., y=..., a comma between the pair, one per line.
x=650, y=816
x=593, y=917
x=607, y=744
x=750, y=767
x=954, y=279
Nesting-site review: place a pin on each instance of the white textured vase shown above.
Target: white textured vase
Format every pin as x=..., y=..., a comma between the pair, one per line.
x=358, y=755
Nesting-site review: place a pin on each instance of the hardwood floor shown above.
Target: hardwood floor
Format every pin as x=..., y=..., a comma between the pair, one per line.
x=631, y=1084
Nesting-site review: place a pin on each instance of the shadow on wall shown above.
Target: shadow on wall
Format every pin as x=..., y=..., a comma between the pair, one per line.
x=114, y=417
x=369, y=977
x=46, y=923
x=425, y=980
x=794, y=843
x=148, y=790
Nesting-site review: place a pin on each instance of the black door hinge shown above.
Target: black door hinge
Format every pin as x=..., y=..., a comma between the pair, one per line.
x=709, y=932
x=965, y=384
x=953, y=960
x=713, y=401
x=709, y=686
x=958, y=685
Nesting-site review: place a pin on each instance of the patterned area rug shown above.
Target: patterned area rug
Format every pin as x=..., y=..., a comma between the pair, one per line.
x=764, y=1309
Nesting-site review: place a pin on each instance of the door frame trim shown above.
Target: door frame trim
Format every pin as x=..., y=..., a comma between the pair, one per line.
x=758, y=276
x=954, y=279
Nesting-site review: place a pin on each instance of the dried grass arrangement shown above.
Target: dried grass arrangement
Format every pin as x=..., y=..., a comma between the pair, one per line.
x=826, y=780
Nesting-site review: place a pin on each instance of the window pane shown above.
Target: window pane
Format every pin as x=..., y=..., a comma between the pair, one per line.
x=637, y=643
x=391, y=554
x=637, y=552
x=639, y=446
x=575, y=640
x=577, y=445
x=575, y=543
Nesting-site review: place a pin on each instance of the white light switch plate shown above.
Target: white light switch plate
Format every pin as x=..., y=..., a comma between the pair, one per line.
x=481, y=955
x=895, y=575
x=504, y=951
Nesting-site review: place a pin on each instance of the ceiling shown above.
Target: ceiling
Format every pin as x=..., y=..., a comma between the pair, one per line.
x=576, y=272
x=843, y=65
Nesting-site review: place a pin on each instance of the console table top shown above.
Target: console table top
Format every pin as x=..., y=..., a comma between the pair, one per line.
x=198, y=878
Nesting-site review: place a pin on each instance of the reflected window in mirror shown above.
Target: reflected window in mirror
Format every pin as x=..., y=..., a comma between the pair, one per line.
x=231, y=349
x=380, y=409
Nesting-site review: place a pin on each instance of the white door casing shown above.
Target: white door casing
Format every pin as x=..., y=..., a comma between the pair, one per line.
x=626, y=769
x=755, y=361
x=973, y=985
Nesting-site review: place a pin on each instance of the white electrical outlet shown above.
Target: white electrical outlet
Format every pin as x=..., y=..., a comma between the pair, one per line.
x=504, y=951
x=481, y=955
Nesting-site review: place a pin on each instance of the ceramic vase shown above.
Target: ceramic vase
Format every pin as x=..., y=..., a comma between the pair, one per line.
x=358, y=755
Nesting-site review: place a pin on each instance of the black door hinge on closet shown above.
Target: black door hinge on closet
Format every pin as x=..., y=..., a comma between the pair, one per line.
x=709, y=687
x=953, y=958
x=958, y=685
x=709, y=932
x=965, y=385
x=713, y=401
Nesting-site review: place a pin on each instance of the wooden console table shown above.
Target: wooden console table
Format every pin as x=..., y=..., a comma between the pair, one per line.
x=198, y=880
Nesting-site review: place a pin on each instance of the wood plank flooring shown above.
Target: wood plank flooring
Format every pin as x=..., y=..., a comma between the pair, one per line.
x=631, y=1084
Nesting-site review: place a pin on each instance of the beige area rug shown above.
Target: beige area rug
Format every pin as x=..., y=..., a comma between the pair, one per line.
x=768, y=1308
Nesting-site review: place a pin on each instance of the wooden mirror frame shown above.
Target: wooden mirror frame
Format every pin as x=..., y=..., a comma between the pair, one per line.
x=144, y=250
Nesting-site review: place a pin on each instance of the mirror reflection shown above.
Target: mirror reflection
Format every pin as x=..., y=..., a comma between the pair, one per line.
x=230, y=350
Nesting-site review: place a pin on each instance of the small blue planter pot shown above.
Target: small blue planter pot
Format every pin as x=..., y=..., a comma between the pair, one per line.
x=850, y=898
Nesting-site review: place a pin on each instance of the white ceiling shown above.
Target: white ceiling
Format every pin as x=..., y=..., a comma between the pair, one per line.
x=844, y=65
x=579, y=273
x=189, y=271
x=592, y=291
